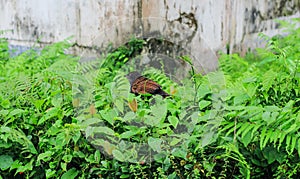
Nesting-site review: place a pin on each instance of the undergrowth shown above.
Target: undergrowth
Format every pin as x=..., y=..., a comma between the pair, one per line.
x=241, y=121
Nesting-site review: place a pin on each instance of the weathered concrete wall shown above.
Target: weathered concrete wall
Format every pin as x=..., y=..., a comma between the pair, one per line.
x=198, y=26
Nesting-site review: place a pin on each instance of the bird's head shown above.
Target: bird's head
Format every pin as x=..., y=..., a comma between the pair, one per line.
x=132, y=76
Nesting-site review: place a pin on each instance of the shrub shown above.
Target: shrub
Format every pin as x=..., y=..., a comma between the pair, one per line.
x=240, y=121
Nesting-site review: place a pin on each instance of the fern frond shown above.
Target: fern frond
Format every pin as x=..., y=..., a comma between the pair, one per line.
x=268, y=79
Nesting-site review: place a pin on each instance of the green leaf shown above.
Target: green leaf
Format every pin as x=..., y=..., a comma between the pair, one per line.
x=125, y=176
x=242, y=128
x=292, y=128
x=179, y=152
x=97, y=156
x=172, y=175
x=270, y=153
x=4, y=112
x=129, y=116
x=207, y=138
x=251, y=90
x=155, y=144
x=109, y=115
x=38, y=103
x=15, y=164
x=5, y=162
x=276, y=136
x=53, y=112
x=16, y=111
x=159, y=110
x=203, y=104
x=4, y=144
x=127, y=134
x=55, y=128
x=234, y=126
x=227, y=126
x=61, y=140
x=266, y=116
x=246, y=139
x=27, y=167
x=70, y=174
x=152, y=121
x=203, y=90
x=91, y=131
x=298, y=146
x=118, y=155
x=120, y=105
x=67, y=158
x=175, y=141
x=282, y=137
x=50, y=173
x=158, y=114
x=46, y=156
x=246, y=130
x=5, y=103
x=293, y=144
x=173, y=121
x=288, y=143
x=187, y=59
x=289, y=106
x=268, y=79
x=90, y=121
x=76, y=136
x=272, y=108
x=57, y=100
x=262, y=138
x=240, y=99
x=269, y=135
x=63, y=165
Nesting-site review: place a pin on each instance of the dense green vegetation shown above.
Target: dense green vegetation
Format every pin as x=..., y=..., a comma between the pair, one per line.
x=62, y=118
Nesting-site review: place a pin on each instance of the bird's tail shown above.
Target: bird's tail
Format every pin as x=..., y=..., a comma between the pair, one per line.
x=163, y=94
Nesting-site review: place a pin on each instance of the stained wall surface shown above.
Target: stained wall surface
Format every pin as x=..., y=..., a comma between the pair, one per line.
x=201, y=27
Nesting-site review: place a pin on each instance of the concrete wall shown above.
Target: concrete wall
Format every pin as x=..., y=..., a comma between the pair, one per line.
x=202, y=27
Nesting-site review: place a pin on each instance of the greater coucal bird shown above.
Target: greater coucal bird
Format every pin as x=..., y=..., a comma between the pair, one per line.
x=142, y=85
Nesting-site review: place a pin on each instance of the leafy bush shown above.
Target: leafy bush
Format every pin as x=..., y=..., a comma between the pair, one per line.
x=241, y=121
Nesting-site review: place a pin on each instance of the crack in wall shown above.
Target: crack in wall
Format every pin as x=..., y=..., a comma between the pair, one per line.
x=78, y=21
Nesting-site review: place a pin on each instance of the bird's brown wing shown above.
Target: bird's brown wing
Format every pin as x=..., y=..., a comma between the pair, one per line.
x=144, y=85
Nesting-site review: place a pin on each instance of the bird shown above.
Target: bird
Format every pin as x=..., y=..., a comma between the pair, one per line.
x=142, y=85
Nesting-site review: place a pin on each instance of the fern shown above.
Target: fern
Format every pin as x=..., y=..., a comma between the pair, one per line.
x=268, y=79
x=119, y=90
x=17, y=136
x=279, y=131
x=236, y=155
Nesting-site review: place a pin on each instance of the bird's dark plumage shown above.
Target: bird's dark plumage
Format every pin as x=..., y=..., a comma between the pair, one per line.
x=142, y=85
